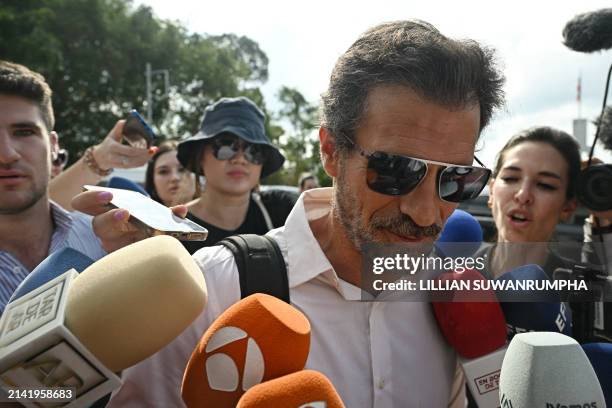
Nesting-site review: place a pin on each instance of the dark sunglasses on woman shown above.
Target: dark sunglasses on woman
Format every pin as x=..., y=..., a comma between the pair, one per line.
x=392, y=174
x=227, y=147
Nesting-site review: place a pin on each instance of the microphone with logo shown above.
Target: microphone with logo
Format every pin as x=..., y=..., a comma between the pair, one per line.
x=528, y=309
x=600, y=356
x=303, y=389
x=546, y=369
x=76, y=330
x=471, y=320
x=477, y=332
x=257, y=339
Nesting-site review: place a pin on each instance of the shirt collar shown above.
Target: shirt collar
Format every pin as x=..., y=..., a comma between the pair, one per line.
x=62, y=223
x=305, y=257
x=306, y=260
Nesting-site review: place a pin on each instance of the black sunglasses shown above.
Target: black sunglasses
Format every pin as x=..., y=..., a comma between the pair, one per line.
x=61, y=158
x=227, y=147
x=398, y=175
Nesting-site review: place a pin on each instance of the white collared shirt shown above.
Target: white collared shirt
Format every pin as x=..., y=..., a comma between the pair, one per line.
x=376, y=354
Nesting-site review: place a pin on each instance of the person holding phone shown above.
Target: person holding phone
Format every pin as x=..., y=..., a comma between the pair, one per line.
x=233, y=153
x=97, y=162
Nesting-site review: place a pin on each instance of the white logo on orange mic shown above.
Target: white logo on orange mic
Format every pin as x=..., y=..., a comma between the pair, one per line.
x=221, y=370
x=316, y=404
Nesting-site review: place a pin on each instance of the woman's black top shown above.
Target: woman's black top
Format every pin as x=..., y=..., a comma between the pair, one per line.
x=278, y=203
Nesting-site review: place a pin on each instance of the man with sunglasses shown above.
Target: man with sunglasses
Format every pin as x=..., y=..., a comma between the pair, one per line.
x=400, y=120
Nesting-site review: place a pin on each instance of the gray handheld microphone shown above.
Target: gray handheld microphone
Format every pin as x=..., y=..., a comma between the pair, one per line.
x=548, y=370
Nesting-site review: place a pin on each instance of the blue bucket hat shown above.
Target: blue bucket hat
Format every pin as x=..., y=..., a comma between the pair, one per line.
x=239, y=116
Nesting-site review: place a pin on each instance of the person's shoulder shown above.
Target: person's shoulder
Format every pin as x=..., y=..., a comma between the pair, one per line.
x=222, y=279
x=216, y=262
x=279, y=195
x=80, y=234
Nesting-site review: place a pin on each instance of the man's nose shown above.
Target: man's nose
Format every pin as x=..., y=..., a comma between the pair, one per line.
x=423, y=203
x=8, y=153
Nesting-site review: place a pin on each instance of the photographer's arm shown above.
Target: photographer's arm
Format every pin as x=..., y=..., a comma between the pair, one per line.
x=598, y=235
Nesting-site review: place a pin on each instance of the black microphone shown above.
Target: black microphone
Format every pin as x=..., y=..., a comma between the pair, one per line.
x=589, y=32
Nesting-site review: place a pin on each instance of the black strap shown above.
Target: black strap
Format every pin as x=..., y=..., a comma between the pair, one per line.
x=261, y=265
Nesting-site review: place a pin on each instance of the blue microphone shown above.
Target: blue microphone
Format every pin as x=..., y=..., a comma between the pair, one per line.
x=527, y=309
x=461, y=236
x=50, y=268
x=126, y=184
x=600, y=356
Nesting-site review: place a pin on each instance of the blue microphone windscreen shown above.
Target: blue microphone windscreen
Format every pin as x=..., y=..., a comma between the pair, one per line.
x=461, y=236
x=532, y=310
x=600, y=356
x=51, y=267
x=126, y=184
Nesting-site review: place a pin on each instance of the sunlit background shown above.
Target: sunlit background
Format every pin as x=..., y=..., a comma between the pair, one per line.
x=303, y=39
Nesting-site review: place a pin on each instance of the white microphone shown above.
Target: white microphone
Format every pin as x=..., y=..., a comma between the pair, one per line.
x=548, y=370
x=75, y=331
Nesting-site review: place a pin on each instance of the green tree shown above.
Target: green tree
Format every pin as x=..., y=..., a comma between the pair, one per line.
x=299, y=141
x=93, y=54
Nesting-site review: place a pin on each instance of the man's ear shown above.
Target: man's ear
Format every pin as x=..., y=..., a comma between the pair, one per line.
x=54, y=144
x=568, y=209
x=329, y=154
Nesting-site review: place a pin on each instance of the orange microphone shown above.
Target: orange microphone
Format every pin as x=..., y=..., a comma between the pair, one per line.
x=304, y=389
x=257, y=339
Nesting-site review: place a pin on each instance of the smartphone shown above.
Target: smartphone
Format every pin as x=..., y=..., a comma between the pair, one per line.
x=136, y=131
x=152, y=217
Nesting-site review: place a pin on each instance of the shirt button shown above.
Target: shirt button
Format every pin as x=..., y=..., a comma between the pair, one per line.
x=17, y=270
x=381, y=384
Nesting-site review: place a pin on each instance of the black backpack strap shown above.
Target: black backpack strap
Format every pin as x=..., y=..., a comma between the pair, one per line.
x=261, y=265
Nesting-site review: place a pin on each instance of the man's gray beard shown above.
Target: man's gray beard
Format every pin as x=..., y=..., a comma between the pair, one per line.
x=35, y=196
x=347, y=210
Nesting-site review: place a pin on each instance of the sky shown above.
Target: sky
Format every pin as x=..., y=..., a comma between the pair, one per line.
x=303, y=40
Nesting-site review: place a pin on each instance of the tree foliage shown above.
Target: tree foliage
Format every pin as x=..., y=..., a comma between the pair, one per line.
x=93, y=54
x=299, y=141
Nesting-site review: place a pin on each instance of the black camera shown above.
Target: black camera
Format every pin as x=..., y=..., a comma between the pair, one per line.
x=592, y=308
x=594, y=187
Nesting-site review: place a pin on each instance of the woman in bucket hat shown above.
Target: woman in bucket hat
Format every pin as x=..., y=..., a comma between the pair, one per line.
x=233, y=152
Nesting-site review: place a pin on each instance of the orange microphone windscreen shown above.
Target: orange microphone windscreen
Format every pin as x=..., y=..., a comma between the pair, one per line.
x=304, y=389
x=257, y=339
